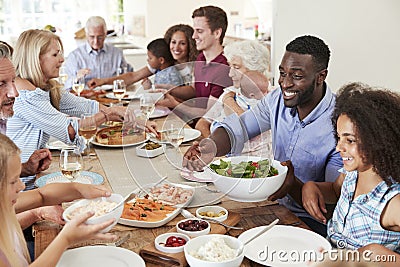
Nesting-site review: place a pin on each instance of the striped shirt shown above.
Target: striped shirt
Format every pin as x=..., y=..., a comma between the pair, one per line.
x=102, y=64
x=168, y=75
x=35, y=120
x=356, y=222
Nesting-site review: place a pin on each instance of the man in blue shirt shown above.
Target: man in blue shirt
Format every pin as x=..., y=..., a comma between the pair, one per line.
x=298, y=114
x=95, y=58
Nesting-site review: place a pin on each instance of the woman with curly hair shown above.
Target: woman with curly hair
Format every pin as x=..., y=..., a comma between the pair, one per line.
x=183, y=50
x=368, y=190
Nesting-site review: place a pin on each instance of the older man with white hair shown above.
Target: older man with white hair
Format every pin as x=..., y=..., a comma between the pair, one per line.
x=95, y=58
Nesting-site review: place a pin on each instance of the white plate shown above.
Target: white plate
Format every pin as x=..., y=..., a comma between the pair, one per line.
x=170, y=216
x=128, y=96
x=57, y=145
x=159, y=112
x=100, y=256
x=105, y=87
x=123, y=145
x=270, y=247
x=85, y=177
x=201, y=177
x=190, y=134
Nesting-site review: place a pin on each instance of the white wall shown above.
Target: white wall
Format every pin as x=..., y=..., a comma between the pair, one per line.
x=363, y=36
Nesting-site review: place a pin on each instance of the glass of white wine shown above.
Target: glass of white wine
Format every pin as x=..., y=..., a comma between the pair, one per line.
x=62, y=76
x=147, y=104
x=78, y=85
x=175, y=135
x=87, y=128
x=71, y=163
x=119, y=89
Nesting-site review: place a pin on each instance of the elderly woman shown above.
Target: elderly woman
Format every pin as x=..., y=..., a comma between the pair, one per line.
x=243, y=57
x=43, y=108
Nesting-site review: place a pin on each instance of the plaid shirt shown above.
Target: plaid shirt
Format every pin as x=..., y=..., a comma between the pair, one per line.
x=356, y=223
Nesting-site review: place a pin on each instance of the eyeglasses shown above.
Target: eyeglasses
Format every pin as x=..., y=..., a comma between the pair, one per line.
x=98, y=38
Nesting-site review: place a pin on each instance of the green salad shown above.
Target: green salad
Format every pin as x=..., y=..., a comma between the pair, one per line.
x=245, y=169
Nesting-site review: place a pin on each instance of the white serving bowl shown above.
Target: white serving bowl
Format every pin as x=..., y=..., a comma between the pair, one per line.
x=162, y=239
x=116, y=214
x=193, y=233
x=195, y=243
x=212, y=209
x=141, y=151
x=248, y=189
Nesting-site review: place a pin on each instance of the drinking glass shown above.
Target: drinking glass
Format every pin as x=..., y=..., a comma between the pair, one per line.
x=62, y=76
x=87, y=128
x=71, y=163
x=78, y=85
x=147, y=104
x=174, y=133
x=119, y=89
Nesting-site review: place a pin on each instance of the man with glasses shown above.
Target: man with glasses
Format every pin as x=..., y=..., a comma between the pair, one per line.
x=95, y=58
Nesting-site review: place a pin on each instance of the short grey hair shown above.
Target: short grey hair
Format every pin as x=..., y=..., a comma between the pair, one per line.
x=254, y=55
x=5, y=50
x=95, y=21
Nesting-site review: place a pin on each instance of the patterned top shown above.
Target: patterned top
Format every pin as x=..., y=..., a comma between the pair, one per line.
x=356, y=222
x=35, y=120
x=308, y=143
x=102, y=64
x=168, y=75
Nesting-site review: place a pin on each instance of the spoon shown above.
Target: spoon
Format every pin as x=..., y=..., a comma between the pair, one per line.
x=188, y=215
x=268, y=227
x=130, y=196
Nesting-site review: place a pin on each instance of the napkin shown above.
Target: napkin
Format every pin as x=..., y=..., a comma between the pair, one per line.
x=150, y=254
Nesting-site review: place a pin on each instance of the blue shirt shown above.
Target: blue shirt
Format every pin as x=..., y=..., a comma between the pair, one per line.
x=356, y=222
x=35, y=120
x=168, y=75
x=308, y=143
x=102, y=64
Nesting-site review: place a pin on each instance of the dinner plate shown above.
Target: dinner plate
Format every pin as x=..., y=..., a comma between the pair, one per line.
x=100, y=256
x=123, y=145
x=170, y=216
x=159, y=112
x=284, y=246
x=201, y=177
x=127, y=96
x=57, y=145
x=105, y=87
x=190, y=134
x=85, y=177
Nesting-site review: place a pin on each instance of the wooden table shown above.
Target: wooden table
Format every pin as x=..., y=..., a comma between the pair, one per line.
x=252, y=214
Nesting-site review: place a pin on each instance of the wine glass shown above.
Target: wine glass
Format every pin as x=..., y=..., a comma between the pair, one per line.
x=78, y=85
x=62, y=76
x=175, y=135
x=87, y=128
x=71, y=163
x=147, y=104
x=119, y=89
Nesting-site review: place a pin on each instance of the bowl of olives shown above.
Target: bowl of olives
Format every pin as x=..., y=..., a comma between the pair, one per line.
x=193, y=227
x=150, y=149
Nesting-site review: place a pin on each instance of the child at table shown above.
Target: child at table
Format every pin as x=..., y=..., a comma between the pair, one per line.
x=159, y=58
x=13, y=249
x=368, y=190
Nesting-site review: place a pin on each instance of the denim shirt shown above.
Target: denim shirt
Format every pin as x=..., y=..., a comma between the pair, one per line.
x=308, y=143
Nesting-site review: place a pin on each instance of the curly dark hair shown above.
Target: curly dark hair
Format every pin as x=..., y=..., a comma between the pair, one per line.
x=311, y=45
x=160, y=48
x=375, y=113
x=188, y=32
x=216, y=18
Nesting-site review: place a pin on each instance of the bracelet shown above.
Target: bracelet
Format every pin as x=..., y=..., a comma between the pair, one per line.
x=105, y=114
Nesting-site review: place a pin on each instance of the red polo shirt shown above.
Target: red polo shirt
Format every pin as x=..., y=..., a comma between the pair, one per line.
x=211, y=78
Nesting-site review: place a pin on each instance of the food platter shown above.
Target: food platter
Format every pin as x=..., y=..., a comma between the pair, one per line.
x=85, y=177
x=283, y=240
x=147, y=189
x=116, y=137
x=127, y=96
x=100, y=256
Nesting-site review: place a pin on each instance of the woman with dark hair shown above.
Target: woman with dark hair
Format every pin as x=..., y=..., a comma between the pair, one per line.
x=183, y=49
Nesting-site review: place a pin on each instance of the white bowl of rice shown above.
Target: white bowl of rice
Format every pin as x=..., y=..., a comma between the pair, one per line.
x=100, y=207
x=213, y=250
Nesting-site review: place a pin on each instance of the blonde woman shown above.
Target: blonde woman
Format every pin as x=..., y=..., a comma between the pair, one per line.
x=13, y=250
x=43, y=108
